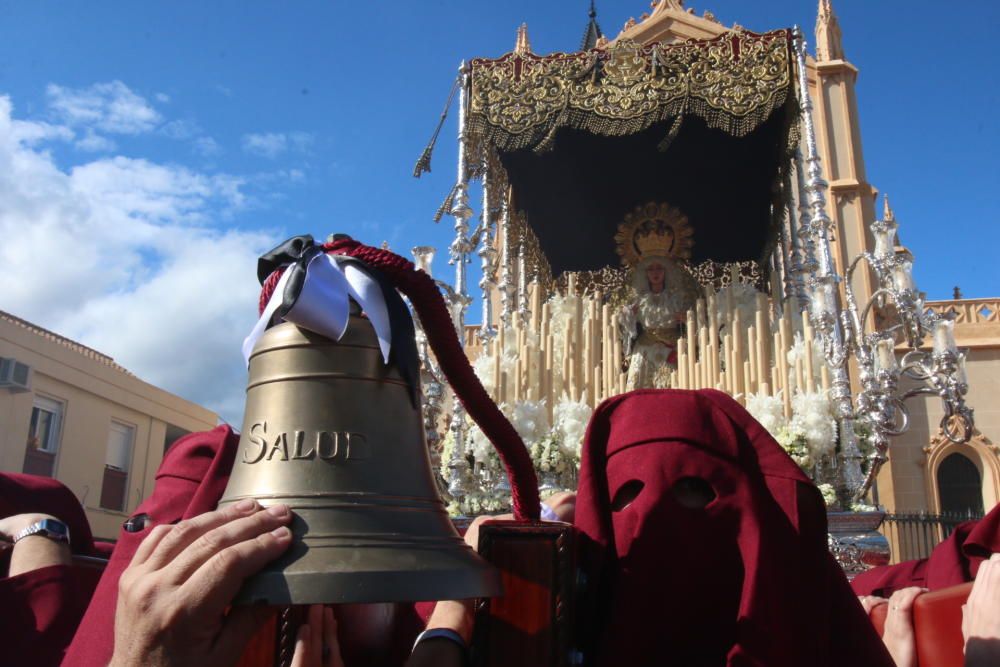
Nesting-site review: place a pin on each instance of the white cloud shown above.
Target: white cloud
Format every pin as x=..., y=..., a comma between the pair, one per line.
x=162, y=98
x=269, y=144
x=31, y=133
x=128, y=256
x=206, y=146
x=180, y=129
x=109, y=107
x=95, y=143
x=301, y=141
x=273, y=144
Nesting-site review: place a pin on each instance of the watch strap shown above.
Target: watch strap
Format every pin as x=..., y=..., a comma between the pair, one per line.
x=51, y=528
x=443, y=633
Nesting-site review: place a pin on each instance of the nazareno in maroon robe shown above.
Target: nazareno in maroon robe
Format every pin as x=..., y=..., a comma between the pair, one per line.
x=189, y=482
x=744, y=580
x=40, y=609
x=952, y=562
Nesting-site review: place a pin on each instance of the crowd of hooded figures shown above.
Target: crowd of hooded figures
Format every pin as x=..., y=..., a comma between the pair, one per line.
x=702, y=543
x=705, y=542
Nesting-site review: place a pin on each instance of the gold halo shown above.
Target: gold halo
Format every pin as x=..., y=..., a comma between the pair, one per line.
x=654, y=230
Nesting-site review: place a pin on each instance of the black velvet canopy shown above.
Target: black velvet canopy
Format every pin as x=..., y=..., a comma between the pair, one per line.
x=584, y=138
x=575, y=195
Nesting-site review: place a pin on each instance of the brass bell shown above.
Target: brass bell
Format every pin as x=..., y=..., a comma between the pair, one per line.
x=333, y=432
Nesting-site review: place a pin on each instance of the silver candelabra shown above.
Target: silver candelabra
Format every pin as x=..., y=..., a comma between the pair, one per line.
x=849, y=332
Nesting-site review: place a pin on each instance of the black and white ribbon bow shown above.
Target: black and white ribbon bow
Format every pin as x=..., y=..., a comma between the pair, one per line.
x=315, y=292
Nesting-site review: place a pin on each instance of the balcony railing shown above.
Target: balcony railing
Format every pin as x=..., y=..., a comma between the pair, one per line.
x=977, y=321
x=914, y=535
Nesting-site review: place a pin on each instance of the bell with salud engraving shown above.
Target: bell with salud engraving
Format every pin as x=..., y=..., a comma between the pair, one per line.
x=335, y=433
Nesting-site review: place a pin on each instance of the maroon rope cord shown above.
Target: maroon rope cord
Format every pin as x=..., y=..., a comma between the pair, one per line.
x=443, y=339
x=267, y=289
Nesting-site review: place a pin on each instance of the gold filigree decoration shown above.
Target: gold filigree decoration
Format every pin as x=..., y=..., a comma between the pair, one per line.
x=615, y=284
x=654, y=230
x=720, y=274
x=734, y=82
x=612, y=283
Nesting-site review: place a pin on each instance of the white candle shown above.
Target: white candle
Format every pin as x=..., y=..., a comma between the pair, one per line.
x=885, y=241
x=944, y=336
x=885, y=356
x=820, y=302
x=423, y=255
x=902, y=276
x=960, y=374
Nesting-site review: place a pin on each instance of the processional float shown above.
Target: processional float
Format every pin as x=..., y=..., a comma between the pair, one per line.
x=704, y=152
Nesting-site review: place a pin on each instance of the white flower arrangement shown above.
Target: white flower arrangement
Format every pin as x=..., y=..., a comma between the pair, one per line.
x=562, y=308
x=485, y=371
x=744, y=299
x=813, y=419
x=570, y=423
x=529, y=418
x=557, y=467
x=795, y=444
x=829, y=494
x=479, y=445
x=554, y=449
x=797, y=352
x=810, y=436
x=475, y=504
x=547, y=455
x=768, y=410
x=484, y=366
x=447, y=451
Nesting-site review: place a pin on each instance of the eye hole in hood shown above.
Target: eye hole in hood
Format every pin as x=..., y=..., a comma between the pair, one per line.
x=625, y=494
x=693, y=492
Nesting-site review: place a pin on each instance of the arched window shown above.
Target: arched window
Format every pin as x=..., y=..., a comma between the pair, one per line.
x=960, y=485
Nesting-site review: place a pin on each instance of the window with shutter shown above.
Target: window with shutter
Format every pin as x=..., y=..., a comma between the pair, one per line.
x=43, y=437
x=114, y=489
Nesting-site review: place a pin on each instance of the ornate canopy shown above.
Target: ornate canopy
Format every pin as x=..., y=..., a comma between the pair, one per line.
x=733, y=82
x=581, y=139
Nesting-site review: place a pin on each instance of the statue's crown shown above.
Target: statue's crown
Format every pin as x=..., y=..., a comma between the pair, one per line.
x=654, y=243
x=654, y=230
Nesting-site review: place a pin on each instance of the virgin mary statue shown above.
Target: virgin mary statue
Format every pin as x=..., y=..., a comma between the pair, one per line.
x=651, y=241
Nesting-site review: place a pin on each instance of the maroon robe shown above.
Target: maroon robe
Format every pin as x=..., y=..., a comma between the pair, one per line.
x=744, y=580
x=190, y=482
x=954, y=561
x=40, y=609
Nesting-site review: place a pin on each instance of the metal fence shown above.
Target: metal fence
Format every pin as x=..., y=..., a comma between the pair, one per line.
x=915, y=534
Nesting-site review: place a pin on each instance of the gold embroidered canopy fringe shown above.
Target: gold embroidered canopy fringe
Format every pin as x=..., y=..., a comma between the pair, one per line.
x=734, y=82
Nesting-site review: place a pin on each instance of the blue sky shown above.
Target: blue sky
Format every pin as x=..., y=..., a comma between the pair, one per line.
x=163, y=145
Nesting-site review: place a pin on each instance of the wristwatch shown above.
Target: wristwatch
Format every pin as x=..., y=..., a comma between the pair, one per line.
x=50, y=528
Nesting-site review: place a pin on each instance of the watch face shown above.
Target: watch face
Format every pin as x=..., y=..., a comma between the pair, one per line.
x=136, y=524
x=54, y=528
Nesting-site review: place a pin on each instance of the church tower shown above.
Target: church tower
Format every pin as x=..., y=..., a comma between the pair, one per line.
x=851, y=203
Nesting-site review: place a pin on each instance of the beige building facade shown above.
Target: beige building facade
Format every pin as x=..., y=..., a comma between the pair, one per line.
x=72, y=413
x=926, y=472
